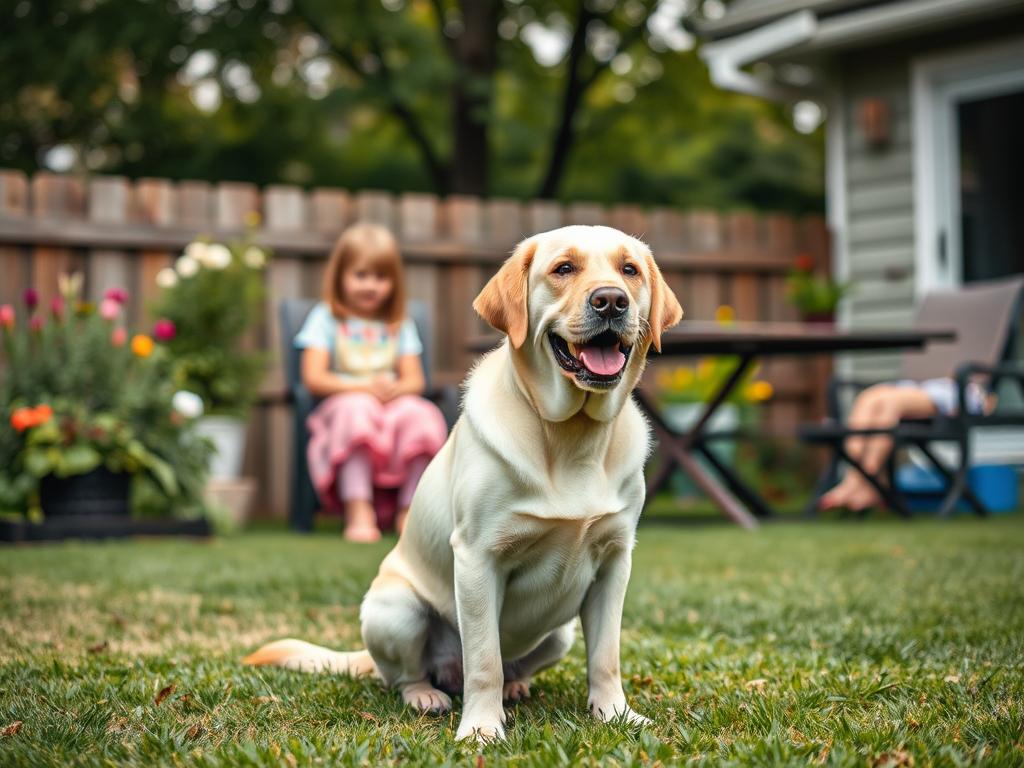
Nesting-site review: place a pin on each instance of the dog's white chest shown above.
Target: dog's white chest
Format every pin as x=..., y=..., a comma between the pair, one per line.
x=550, y=564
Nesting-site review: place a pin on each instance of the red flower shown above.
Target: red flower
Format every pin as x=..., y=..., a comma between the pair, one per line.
x=804, y=263
x=120, y=295
x=31, y=298
x=57, y=307
x=36, y=323
x=164, y=330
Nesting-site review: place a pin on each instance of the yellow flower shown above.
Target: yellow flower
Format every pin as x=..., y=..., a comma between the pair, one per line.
x=705, y=368
x=253, y=219
x=725, y=314
x=759, y=391
x=142, y=345
x=683, y=377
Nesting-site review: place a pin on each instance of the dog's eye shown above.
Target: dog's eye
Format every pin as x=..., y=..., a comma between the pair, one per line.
x=630, y=270
x=565, y=269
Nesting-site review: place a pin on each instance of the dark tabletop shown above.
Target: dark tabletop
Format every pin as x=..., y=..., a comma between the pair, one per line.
x=705, y=338
x=708, y=338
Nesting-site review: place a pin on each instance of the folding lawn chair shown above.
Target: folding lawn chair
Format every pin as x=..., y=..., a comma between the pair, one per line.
x=292, y=314
x=984, y=315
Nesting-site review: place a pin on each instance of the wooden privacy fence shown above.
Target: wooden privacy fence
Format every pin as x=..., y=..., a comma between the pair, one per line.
x=121, y=233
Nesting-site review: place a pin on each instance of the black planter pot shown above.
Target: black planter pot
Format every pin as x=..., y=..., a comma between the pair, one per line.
x=100, y=492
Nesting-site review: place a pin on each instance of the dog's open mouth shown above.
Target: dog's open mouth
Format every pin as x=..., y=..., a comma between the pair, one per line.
x=598, y=361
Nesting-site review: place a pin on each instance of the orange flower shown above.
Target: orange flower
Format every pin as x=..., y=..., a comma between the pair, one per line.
x=26, y=418
x=142, y=345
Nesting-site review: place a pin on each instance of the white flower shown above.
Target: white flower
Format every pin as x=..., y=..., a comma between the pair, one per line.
x=188, y=404
x=254, y=257
x=217, y=256
x=186, y=266
x=166, y=278
x=197, y=250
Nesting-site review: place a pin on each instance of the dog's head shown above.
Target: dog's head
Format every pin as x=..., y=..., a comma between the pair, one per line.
x=581, y=306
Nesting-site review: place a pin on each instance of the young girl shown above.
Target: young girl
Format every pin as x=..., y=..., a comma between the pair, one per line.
x=362, y=354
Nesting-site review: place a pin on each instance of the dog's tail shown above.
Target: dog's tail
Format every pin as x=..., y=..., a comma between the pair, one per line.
x=306, y=657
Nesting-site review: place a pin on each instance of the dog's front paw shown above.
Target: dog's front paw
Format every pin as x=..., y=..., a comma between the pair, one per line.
x=483, y=729
x=609, y=710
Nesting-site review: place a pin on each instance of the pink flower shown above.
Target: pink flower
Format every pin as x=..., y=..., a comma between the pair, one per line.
x=6, y=316
x=31, y=298
x=119, y=295
x=119, y=337
x=57, y=307
x=109, y=309
x=36, y=323
x=164, y=330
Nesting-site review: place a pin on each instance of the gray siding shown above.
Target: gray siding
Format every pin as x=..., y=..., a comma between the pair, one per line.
x=879, y=205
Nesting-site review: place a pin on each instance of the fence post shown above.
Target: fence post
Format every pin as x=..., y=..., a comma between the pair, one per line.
x=54, y=198
x=108, y=204
x=155, y=206
x=15, y=265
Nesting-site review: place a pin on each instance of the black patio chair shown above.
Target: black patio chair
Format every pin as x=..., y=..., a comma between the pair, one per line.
x=984, y=315
x=292, y=314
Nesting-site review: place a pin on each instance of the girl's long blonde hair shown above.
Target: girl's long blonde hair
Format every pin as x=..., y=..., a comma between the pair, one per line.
x=378, y=247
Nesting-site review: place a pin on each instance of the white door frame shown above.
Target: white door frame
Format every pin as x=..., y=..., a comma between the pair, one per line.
x=938, y=84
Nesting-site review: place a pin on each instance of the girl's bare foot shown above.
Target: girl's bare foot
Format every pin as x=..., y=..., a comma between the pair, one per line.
x=361, y=522
x=400, y=520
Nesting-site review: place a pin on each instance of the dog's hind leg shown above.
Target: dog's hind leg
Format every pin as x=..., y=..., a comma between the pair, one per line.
x=550, y=650
x=396, y=629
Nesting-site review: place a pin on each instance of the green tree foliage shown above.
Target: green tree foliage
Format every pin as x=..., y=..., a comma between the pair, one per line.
x=576, y=99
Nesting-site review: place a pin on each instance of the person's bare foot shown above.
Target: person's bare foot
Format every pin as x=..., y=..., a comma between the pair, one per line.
x=863, y=497
x=400, y=520
x=361, y=522
x=839, y=495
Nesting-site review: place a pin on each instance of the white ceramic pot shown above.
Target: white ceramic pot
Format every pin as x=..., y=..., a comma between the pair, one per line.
x=228, y=437
x=682, y=416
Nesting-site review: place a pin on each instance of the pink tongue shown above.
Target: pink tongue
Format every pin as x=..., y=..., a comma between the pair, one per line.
x=604, y=361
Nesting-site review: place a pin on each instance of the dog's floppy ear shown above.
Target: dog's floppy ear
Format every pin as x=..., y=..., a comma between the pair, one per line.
x=665, y=308
x=502, y=302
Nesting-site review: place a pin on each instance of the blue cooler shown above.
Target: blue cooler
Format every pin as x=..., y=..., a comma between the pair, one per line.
x=996, y=485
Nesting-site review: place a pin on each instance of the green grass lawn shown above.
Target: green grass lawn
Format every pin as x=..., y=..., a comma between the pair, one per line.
x=875, y=643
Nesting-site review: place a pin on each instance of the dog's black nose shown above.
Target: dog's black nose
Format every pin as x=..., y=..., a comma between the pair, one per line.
x=609, y=302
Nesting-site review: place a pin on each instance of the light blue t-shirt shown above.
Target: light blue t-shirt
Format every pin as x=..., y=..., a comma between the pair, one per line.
x=360, y=349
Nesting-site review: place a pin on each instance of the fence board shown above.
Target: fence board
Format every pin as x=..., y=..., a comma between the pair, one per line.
x=54, y=198
x=155, y=204
x=15, y=266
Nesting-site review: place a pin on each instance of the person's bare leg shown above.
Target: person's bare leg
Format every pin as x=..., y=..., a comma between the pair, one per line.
x=355, y=487
x=892, y=405
x=864, y=415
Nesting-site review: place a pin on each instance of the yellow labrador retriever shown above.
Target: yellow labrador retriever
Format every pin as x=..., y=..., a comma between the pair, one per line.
x=526, y=517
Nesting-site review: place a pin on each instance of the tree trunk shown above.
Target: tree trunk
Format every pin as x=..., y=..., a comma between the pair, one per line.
x=475, y=61
x=572, y=95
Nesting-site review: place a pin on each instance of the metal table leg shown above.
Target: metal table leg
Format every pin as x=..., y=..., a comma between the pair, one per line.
x=682, y=449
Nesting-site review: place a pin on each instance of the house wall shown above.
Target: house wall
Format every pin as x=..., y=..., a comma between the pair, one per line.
x=877, y=216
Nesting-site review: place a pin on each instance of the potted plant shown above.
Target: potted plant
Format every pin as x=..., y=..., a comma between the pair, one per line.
x=685, y=390
x=815, y=297
x=213, y=295
x=90, y=430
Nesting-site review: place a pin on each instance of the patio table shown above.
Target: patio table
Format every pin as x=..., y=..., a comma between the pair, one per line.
x=747, y=342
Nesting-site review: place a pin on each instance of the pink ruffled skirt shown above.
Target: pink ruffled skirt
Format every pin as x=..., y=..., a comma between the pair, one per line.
x=395, y=433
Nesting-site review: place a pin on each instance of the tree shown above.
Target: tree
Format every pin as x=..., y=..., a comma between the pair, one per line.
x=586, y=99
